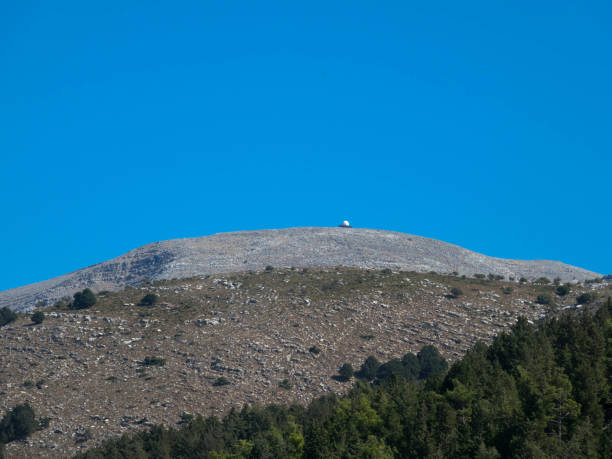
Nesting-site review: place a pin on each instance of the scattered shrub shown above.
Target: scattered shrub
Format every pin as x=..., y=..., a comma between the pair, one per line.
x=314, y=350
x=285, y=384
x=369, y=368
x=542, y=280
x=596, y=280
x=17, y=424
x=154, y=361
x=221, y=381
x=507, y=290
x=7, y=316
x=479, y=276
x=38, y=317
x=563, y=290
x=269, y=268
x=544, y=299
x=522, y=280
x=43, y=423
x=585, y=298
x=456, y=292
x=346, y=372
x=82, y=437
x=83, y=300
x=186, y=417
x=149, y=299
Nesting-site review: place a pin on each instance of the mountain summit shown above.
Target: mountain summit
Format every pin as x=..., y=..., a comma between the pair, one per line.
x=292, y=247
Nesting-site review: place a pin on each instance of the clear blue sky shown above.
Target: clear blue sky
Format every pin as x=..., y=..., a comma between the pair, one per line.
x=485, y=124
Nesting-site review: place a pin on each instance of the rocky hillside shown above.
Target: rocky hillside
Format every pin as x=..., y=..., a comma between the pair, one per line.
x=293, y=247
x=276, y=335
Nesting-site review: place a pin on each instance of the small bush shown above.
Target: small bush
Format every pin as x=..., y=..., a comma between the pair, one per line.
x=507, y=290
x=369, y=368
x=187, y=417
x=542, y=280
x=346, y=372
x=585, y=298
x=61, y=304
x=456, y=292
x=149, y=299
x=7, y=316
x=563, y=290
x=285, y=384
x=523, y=280
x=154, y=361
x=28, y=384
x=479, y=276
x=314, y=350
x=544, y=299
x=38, y=317
x=17, y=424
x=82, y=437
x=269, y=268
x=83, y=300
x=596, y=280
x=221, y=381
x=43, y=423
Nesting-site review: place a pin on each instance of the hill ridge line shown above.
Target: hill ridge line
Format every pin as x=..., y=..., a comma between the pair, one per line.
x=286, y=247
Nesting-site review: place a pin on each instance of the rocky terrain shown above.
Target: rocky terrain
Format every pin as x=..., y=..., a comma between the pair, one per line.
x=294, y=247
x=88, y=372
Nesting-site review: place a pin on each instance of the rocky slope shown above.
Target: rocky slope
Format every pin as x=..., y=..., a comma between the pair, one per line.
x=293, y=247
x=86, y=370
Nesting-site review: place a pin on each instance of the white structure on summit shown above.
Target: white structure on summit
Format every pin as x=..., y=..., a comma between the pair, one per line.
x=345, y=224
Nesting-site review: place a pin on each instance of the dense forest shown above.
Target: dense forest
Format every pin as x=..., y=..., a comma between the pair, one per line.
x=540, y=391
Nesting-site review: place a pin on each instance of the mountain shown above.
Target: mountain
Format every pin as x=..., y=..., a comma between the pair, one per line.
x=292, y=247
